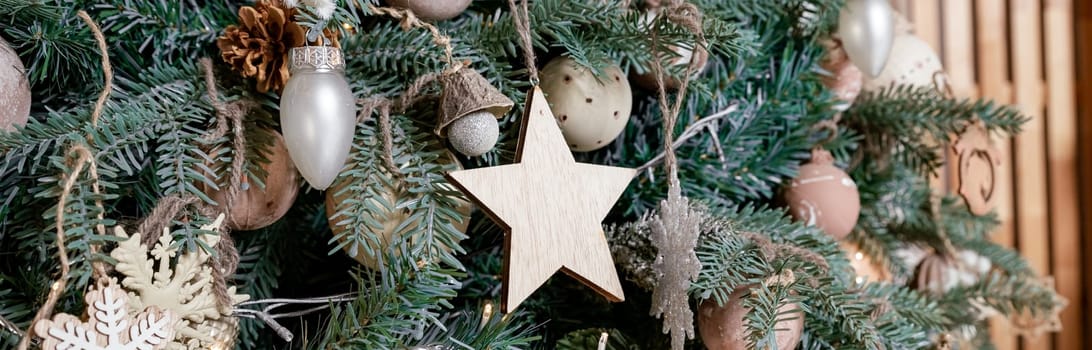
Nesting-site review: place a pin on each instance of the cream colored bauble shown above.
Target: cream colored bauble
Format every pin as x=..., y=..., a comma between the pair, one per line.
x=725, y=327
x=682, y=56
x=388, y=221
x=433, y=10
x=474, y=134
x=14, y=89
x=591, y=111
x=912, y=62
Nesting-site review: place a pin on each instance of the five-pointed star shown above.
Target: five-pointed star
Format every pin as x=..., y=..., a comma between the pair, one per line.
x=551, y=208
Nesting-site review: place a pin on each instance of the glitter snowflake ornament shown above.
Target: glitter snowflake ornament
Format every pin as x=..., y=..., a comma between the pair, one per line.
x=675, y=233
x=110, y=325
x=184, y=288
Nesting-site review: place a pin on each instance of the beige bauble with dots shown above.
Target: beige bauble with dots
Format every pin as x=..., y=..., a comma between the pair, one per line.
x=824, y=196
x=256, y=207
x=912, y=62
x=725, y=327
x=591, y=110
x=388, y=221
x=14, y=89
x=433, y=10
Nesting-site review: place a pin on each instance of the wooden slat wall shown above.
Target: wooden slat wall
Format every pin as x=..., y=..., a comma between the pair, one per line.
x=1021, y=52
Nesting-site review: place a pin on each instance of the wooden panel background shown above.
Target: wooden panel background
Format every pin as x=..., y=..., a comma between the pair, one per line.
x=1024, y=53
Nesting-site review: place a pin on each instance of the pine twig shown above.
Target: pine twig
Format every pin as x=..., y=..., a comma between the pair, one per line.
x=693, y=130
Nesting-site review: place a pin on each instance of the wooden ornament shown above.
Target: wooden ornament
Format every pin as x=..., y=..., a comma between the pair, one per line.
x=824, y=196
x=591, y=110
x=255, y=207
x=110, y=325
x=551, y=208
x=388, y=221
x=979, y=159
x=433, y=10
x=180, y=283
x=725, y=327
x=14, y=89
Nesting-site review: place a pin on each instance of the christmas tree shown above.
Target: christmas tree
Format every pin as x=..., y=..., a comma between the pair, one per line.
x=363, y=174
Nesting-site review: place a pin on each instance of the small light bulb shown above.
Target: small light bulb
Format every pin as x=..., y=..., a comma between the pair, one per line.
x=858, y=256
x=860, y=280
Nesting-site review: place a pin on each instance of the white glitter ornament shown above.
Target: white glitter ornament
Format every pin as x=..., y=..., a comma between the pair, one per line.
x=591, y=111
x=474, y=134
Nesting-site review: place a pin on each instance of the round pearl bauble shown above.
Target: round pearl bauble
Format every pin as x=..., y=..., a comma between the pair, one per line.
x=388, y=221
x=913, y=62
x=254, y=207
x=591, y=111
x=724, y=328
x=318, y=114
x=433, y=10
x=824, y=196
x=14, y=89
x=474, y=134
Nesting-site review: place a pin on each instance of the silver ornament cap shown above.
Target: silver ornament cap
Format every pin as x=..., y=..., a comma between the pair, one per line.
x=867, y=31
x=318, y=113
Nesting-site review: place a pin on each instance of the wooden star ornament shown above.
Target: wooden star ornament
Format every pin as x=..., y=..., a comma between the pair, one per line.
x=551, y=208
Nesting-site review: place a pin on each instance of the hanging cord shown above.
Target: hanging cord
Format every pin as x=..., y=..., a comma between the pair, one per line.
x=84, y=157
x=688, y=16
x=407, y=20
x=230, y=114
x=521, y=17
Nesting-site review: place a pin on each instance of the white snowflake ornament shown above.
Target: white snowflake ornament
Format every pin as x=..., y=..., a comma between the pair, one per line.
x=185, y=287
x=109, y=326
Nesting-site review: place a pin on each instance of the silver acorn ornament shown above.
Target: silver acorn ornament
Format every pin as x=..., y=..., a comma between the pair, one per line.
x=318, y=113
x=867, y=31
x=469, y=109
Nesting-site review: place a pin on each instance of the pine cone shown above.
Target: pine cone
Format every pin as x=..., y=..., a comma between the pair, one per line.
x=258, y=47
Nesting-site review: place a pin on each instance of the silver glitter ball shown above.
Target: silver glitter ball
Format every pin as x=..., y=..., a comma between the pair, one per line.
x=474, y=134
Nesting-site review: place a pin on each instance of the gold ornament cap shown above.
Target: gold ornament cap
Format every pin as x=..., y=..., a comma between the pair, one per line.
x=466, y=91
x=315, y=58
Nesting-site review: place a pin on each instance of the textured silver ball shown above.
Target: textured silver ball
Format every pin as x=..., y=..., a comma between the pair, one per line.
x=14, y=90
x=474, y=134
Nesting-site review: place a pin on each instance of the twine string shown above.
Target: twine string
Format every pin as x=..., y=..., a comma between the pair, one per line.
x=688, y=16
x=521, y=17
x=230, y=114
x=83, y=157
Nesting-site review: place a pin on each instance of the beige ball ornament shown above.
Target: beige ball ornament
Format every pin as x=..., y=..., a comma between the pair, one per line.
x=255, y=207
x=433, y=10
x=389, y=222
x=591, y=111
x=912, y=62
x=725, y=327
x=14, y=89
x=824, y=196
